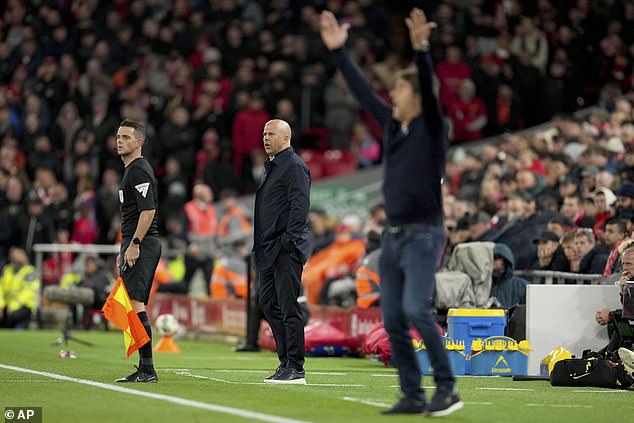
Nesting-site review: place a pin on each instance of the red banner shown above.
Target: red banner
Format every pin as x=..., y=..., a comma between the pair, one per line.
x=228, y=316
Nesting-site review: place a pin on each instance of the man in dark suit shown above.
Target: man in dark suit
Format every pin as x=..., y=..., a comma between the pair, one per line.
x=280, y=247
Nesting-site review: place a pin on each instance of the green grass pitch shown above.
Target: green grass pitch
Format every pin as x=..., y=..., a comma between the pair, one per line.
x=207, y=382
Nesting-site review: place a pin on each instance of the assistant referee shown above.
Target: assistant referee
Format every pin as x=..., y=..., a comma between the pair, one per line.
x=140, y=247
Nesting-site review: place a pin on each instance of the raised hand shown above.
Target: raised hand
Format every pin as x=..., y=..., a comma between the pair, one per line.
x=419, y=28
x=333, y=35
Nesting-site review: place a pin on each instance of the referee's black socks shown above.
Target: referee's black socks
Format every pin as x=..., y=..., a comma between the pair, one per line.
x=146, y=365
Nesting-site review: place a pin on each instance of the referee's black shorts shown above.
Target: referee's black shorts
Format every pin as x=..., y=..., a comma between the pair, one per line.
x=138, y=278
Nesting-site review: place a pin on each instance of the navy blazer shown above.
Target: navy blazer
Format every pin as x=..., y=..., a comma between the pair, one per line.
x=282, y=202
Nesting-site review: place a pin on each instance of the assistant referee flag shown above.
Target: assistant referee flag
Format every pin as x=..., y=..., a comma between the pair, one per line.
x=118, y=309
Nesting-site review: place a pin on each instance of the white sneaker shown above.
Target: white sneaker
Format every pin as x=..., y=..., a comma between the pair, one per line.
x=627, y=358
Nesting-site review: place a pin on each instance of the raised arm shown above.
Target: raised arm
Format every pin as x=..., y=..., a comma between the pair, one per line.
x=419, y=31
x=334, y=37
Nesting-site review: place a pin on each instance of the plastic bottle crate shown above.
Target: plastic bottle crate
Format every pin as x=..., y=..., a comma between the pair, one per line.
x=499, y=356
x=455, y=353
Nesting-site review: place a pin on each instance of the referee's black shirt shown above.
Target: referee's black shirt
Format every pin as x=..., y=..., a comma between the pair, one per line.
x=137, y=192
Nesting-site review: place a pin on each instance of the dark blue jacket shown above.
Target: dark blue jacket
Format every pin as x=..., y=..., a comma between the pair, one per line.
x=281, y=210
x=413, y=156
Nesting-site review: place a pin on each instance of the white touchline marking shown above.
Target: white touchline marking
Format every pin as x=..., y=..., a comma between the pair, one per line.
x=342, y=385
x=27, y=381
x=268, y=371
x=233, y=382
x=477, y=403
x=606, y=391
x=325, y=373
x=505, y=389
x=167, y=398
x=367, y=402
x=559, y=405
x=424, y=387
x=385, y=375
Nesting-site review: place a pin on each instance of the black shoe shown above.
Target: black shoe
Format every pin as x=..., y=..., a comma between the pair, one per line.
x=289, y=376
x=406, y=405
x=276, y=374
x=140, y=376
x=444, y=402
x=246, y=348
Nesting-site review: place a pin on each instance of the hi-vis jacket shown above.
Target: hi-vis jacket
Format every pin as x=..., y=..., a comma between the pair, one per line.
x=19, y=288
x=368, y=281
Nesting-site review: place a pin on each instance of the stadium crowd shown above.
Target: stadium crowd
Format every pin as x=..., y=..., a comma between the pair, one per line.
x=205, y=76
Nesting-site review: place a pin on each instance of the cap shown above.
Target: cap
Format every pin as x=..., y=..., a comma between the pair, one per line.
x=615, y=145
x=610, y=198
x=626, y=190
x=546, y=236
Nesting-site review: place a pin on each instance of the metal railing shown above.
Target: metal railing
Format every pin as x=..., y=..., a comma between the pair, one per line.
x=549, y=277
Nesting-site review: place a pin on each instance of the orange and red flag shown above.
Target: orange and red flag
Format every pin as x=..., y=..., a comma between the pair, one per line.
x=118, y=309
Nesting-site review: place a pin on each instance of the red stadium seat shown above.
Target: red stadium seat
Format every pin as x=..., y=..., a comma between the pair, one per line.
x=314, y=161
x=338, y=162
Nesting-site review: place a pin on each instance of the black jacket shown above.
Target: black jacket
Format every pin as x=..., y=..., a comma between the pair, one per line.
x=281, y=210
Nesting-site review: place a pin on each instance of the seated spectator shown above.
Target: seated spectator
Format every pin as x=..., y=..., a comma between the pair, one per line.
x=604, y=198
x=509, y=290
x=550, y=254
x=451, y=72
x=368, y=280
x=338, y=259
x=625, y=200
x=321, y=233
x=376, y=220
x=229, y=277
x=570, y=251
x=620, y=329
x=559, y=225
x=19, y=289
x=615, y=234
x=467, y=114
x=593, y=255
x=572, y=209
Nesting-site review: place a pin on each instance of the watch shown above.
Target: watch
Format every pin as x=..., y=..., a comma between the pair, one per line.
x=423, y=46
x=136, y=241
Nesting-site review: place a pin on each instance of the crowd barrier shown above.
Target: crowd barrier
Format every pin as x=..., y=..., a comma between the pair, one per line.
x=549, y=277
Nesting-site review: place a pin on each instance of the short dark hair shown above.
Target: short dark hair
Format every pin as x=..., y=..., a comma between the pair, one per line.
x=139, y=129
x=410, y=75
x=619, y=223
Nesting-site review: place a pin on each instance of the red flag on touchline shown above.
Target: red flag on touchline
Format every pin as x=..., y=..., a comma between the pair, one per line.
x=118, y=309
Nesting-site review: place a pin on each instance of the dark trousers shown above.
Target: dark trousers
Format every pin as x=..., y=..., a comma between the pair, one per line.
x=194, y=263
x=279, y=287
x=407, y=267
x=18, y=319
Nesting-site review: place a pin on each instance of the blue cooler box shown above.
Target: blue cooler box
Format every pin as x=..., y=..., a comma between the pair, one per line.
x=455, y=353
x=499, y=356
x=467, y=324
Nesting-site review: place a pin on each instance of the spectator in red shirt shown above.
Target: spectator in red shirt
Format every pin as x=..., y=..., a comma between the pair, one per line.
x=467, y=113
x=247, y=131
x=451, y=72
